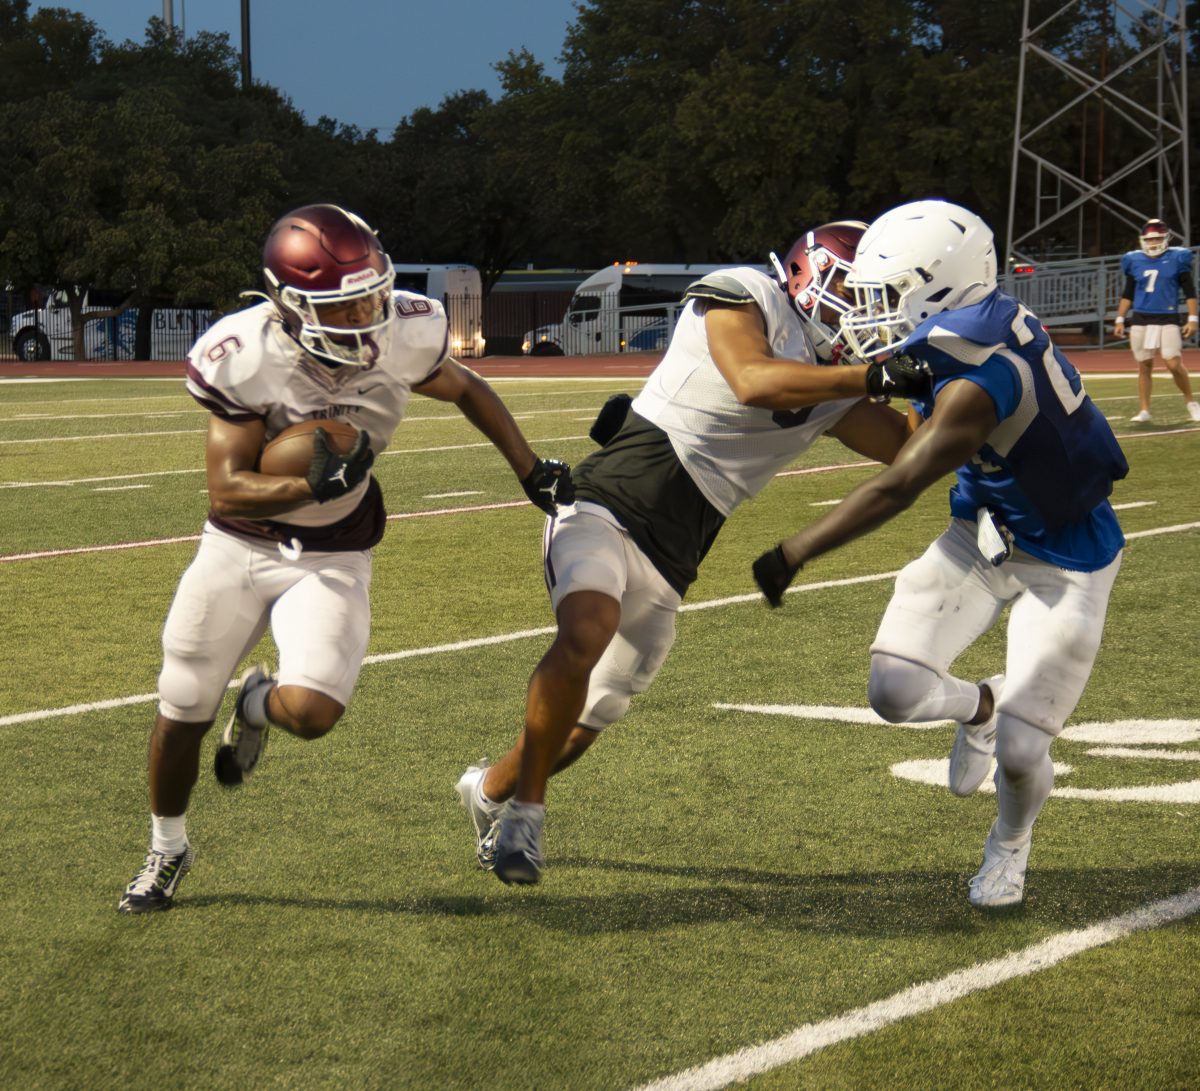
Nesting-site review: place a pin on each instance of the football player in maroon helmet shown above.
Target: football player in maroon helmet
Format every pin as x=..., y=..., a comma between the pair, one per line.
x=330, y=341
x=812, y=273
x=331, y=282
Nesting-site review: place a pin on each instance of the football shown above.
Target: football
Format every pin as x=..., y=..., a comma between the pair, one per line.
x=290, y=453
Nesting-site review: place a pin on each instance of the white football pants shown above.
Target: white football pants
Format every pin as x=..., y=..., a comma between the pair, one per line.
x=317, y=607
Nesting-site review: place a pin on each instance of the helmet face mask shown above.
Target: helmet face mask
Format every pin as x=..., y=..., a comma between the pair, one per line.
x=1154, y=238
x=331, y=282
x=813, y=273
x=914, y=262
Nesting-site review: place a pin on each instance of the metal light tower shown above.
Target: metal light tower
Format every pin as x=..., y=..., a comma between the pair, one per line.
x=169, y=15
x=246, y=45
x=1100, y=143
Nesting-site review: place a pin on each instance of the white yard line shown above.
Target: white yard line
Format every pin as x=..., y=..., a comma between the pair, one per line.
x=486, y=641
x=918, y=999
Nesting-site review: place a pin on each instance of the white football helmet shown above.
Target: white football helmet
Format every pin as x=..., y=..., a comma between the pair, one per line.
x=1154, y=238
x=915, y=261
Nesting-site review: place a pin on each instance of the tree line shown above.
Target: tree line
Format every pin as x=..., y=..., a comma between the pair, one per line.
x=679, y=130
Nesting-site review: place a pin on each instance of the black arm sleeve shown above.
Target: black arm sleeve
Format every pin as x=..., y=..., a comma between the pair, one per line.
x=1188, y=283
x=1129, y=288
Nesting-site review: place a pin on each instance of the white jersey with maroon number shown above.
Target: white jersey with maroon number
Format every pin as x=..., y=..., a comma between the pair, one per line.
x=732, y=450
x=248, y=367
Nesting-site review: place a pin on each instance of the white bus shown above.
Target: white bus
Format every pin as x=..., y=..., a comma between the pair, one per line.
x=459, y=289
x=625, y=307
x=45, y=333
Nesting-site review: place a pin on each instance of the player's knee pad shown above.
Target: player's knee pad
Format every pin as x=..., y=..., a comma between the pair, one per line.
x=898, y=687
x=604, y=708
x=1020, y=747
x=188, y=689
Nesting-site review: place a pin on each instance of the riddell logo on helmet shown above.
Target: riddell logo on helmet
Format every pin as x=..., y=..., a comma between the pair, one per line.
x=363, y=276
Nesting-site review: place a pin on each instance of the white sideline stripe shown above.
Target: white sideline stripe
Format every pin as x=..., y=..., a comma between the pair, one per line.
x=119, y=488
x=200, y=469
x=97, y=549
x=1155, y=435
x=1161, y=530
x=918, y=999
x=437, y=649
x=92, y=480
x=38, y=418
x=108, y=435
x=477, y=642
x=824, y=469
x=1134, y=504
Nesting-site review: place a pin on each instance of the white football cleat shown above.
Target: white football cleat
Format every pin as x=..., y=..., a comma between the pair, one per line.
x=1001, y=880
x=484, y=814
x=1141, y=417
x=974, y=747
x=1193, y=409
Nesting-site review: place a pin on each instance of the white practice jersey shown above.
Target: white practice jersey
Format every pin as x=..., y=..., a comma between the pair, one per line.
x=732, y=450
x=248, y=367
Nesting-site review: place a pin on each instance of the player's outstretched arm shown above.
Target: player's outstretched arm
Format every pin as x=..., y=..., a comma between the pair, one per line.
x=738, y=344
x=547, y=482
x=964, y=416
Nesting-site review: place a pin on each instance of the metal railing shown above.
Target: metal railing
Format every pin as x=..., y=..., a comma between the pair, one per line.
x=1078, y=295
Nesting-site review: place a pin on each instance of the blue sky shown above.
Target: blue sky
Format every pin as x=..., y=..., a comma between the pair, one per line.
x=370, y=66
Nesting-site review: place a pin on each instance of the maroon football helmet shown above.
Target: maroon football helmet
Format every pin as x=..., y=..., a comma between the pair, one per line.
x=1154, y=237
x=812, y=272
x=318, y=259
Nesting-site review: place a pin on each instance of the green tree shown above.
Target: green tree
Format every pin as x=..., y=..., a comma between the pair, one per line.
x=122, y=182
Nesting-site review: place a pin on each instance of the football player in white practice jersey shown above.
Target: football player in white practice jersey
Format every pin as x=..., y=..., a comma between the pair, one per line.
x=738, y=395
x=332, y=340
x=1031, y=523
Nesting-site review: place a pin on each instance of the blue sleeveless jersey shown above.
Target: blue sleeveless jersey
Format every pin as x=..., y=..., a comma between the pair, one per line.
x=1156, y=280
x=1047, y=470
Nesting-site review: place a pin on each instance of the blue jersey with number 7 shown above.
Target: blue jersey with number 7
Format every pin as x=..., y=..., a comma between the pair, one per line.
x=1156, y=280
x=1048, y=468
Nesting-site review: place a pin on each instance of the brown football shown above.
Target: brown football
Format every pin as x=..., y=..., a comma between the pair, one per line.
x=290, y=453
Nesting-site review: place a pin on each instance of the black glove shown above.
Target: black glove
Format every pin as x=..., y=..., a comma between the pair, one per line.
x=549, y=484
x=773, y=574
x=331, y=475
x=900, y=376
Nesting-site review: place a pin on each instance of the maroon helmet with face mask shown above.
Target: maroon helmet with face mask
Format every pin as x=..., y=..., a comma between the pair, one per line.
x=811, y=273
x=319, y=258
x=1154, y=238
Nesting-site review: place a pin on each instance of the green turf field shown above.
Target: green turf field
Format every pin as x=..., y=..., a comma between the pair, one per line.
x=717, y=878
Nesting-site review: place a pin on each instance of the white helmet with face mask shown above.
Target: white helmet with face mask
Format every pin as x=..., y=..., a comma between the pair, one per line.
x=915, y=261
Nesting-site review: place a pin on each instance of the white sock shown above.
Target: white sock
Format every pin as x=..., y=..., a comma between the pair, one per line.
x=481, y=797
x=168, y=834
x=537, y=810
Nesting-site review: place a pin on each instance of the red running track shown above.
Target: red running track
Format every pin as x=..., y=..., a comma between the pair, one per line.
x=491, y=367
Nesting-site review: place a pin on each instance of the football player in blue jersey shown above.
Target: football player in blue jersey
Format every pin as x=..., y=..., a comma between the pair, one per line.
x=1154, y=276
x=1031, y=524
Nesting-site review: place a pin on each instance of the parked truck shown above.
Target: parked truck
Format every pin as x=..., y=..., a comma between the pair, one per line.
x=460, y=290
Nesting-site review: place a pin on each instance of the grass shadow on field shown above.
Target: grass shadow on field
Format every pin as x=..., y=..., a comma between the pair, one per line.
x=872, y=904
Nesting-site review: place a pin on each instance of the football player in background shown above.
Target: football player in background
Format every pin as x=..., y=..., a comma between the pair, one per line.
x=331, y=340
x=1031, y=524
x=736, y=398
x=1154, y=276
